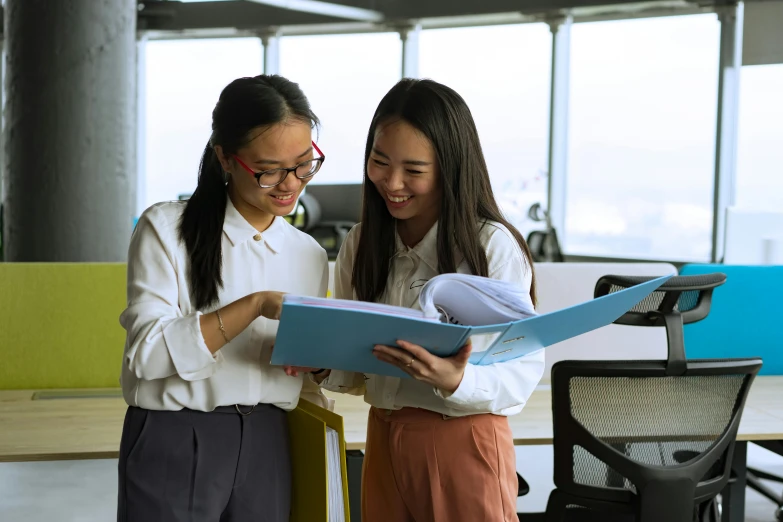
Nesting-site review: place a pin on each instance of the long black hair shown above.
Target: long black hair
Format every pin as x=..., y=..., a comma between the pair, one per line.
x=441, y=115
x=245, y=104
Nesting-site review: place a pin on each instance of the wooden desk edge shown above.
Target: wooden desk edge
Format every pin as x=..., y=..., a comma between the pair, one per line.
x=97, y=455
x=48, y=457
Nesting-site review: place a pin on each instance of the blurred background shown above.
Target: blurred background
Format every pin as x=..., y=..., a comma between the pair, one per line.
x=617, y=131
x=634, y=125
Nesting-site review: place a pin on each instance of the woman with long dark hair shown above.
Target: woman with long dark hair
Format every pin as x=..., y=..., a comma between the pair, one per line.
x=205, y=435
x=439, y=446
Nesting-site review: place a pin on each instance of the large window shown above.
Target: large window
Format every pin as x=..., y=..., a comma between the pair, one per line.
x=503, y=73
x=642, y=138
x=760, y=154
x=183, y=82
x=344, y=77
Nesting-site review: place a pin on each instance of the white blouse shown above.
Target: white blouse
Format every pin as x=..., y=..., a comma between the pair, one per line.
x=166, y=363
x=501, y=388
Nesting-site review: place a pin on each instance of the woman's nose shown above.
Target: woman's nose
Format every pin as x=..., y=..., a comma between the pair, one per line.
x=394, y=180
x=290, y=184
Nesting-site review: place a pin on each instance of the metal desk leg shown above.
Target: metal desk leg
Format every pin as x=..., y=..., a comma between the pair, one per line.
x=733, y=496
x=353, y=461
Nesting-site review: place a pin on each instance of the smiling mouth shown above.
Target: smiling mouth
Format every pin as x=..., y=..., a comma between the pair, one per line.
x=286, y=197
x=398, y=199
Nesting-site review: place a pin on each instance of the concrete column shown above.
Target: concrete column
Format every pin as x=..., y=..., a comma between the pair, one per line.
x=70, y=129
x=2, y=145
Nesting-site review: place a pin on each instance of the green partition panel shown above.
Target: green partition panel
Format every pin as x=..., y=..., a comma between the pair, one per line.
x=59, y=325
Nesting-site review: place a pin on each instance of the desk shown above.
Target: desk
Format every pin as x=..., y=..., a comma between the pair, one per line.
x=90, y=428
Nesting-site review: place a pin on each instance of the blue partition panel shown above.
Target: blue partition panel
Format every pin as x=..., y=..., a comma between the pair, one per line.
x=745, y=319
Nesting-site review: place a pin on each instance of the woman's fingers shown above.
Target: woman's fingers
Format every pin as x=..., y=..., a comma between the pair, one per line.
x=294, y=371
x=395, y=361
x=397, y=354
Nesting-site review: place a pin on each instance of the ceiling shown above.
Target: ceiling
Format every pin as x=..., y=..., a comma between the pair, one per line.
x=175, y=18
x=172, y=15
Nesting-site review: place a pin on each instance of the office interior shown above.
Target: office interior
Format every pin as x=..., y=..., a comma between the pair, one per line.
x=631, y=138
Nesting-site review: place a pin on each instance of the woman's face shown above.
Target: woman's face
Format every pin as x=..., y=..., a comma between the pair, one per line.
x=404, y=169
x=282, y=145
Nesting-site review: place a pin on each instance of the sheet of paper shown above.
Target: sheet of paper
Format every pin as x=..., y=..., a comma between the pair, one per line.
x=354, y=305
x=482, y=342
x=335, y=479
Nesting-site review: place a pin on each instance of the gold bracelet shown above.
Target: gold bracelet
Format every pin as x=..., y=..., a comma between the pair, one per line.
x=222, y=329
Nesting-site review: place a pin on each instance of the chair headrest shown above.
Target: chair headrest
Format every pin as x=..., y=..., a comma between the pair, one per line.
x=688, y=296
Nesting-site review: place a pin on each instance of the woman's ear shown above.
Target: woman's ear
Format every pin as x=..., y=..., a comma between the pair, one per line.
x=222, y=158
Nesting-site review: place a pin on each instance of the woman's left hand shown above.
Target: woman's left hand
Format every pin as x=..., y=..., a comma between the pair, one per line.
x=444, y=373
x=294, y=371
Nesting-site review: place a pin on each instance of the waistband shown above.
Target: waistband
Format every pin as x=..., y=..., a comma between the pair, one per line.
x=244, y=410
x=420, y=415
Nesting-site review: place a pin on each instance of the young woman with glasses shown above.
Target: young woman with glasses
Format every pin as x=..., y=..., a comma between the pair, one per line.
x=205, y=435
x=439, y=446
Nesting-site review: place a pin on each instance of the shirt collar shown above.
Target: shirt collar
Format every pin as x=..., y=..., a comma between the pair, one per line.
x=239, y=230
x=426, y=249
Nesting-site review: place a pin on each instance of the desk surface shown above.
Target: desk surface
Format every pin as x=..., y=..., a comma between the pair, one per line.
x=90, y=427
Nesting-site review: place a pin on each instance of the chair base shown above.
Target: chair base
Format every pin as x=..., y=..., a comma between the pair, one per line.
x=564, y=507
x=755, y=477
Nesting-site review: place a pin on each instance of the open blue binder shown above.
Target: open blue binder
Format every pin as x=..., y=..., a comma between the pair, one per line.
x=343, y=339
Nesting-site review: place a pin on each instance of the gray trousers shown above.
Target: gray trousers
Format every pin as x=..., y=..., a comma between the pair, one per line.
x=178, y=466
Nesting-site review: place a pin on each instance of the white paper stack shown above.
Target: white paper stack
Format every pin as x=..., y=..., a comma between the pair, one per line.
x=474, y=301
x=378, y=308
x=334, y=485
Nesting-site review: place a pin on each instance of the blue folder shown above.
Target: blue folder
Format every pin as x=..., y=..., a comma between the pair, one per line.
x=342, y=339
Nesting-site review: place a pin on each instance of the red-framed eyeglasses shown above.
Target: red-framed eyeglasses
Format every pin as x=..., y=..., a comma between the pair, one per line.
x=273, y=177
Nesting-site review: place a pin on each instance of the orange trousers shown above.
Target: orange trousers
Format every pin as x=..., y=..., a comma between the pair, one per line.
x=420, y=467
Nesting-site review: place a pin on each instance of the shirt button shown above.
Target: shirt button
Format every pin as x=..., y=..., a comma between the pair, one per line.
x=257, y=237
x=399, y=284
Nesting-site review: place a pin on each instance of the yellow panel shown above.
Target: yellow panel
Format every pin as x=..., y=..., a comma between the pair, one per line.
x=309, y=495
x=335, y=422
x=59, y=325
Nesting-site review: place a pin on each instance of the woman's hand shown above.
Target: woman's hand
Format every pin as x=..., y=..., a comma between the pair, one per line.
x=270, y=304
x=444, y=373
x=294, y=371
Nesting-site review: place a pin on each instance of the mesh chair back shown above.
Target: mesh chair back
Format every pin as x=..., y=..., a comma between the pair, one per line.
x=629, y=433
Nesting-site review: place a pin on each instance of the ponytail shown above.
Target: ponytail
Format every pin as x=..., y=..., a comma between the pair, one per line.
x=201, y=229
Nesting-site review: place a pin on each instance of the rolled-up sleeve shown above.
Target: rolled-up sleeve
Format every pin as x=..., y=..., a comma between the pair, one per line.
x=161, y=341
x=338, y=380
x=501, y=388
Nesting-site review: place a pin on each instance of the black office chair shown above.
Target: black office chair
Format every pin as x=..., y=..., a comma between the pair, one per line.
x=308, y=217
x=647, y=441
x=543, y=244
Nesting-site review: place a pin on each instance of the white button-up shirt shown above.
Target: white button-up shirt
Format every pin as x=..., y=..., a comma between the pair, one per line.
x=166, y=363
x=501, y=388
